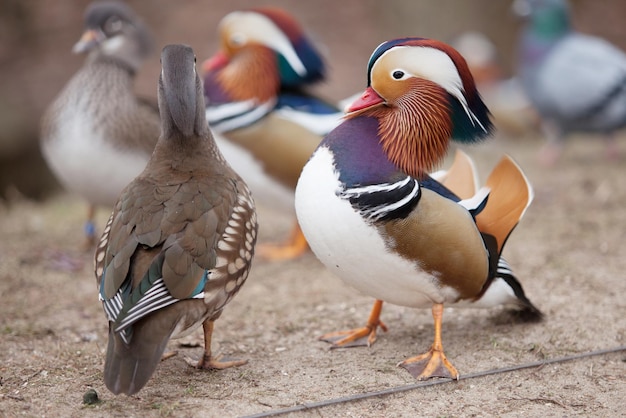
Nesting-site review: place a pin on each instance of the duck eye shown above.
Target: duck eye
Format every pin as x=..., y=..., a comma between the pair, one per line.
x=397, y=74
x=238, y=39
x=113, y=25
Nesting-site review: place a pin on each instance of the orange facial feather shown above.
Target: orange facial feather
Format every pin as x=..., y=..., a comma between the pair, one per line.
x=414, y=132
x=251, y=73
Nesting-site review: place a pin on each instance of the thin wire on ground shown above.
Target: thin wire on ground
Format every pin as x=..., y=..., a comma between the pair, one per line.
x=405, y=388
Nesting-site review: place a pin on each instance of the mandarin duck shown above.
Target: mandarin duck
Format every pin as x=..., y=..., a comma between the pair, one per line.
x=255, y=88
x=374, y=217
x=180, y=240
x=97, y=135
x=576, y=82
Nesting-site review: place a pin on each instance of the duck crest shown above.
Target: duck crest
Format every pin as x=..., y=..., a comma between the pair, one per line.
x=306, y=52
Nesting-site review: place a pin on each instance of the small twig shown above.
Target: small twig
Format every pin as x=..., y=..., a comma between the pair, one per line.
x=399, y=389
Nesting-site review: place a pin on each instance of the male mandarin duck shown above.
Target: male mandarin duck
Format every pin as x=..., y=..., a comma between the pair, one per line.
x=180, y=240
x=97, y=135
x=373, y=215
x=255, y=88
x=576, y=82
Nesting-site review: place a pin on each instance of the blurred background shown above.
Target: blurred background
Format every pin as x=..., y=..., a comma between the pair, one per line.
x=36, y=38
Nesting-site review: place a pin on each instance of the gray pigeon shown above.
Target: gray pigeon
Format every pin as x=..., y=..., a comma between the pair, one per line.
x=576, y=82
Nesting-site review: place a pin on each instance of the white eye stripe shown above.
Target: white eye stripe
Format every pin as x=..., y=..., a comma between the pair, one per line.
x=425, y=62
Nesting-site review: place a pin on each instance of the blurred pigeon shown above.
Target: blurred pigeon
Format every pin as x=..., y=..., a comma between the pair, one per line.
x=576, y=82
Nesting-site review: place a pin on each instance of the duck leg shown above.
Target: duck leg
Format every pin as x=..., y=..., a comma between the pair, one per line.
x=293, y=248
x=434, y=362
x=90, y=228
x=355, y=337
x=208, y=361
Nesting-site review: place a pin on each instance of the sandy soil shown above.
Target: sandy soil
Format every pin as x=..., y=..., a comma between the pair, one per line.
x=568, y=251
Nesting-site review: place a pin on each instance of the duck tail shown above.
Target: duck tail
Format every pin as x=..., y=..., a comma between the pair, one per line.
x=128, y=367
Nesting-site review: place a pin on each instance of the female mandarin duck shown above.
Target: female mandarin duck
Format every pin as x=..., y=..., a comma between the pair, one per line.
x=180, y=241
x=97, y=135
x=373, y=215
x=256, y=98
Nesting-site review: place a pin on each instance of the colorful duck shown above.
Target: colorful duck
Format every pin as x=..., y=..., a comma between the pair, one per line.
x=373, y=215
x=180, y=240
x=255, y=88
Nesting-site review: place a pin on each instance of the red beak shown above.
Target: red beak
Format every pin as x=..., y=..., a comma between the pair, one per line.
x=369, y=98
x=218, y=60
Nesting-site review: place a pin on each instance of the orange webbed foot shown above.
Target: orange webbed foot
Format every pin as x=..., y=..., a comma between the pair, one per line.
x=358, y=337
x=434, y=362
x=208, y=362
x=428, y=365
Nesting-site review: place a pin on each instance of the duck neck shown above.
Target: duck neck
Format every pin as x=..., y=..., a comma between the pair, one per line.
x=358, y=153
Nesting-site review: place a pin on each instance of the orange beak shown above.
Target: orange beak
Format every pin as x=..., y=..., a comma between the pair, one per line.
x=88, y=41
x=369, y=98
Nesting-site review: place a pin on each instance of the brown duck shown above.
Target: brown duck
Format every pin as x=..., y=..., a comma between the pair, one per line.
x=180, y=240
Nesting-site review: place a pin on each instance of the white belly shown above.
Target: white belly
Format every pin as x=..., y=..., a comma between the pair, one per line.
x=266, y=190
x=354, y=250
x=86, y=164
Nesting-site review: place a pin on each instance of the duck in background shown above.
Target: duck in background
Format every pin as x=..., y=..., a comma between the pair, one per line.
x=266, y=122
x=180, y=240
x=97, y=136
x=576, y=82
x=512, y=113
x=373, y=215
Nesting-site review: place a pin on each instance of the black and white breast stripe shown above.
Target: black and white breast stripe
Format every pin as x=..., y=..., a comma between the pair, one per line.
x=381, y=202
x=229, y=116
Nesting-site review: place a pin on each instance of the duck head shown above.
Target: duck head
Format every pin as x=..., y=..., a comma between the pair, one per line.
x=423, y=95
x=112, y=29
x=262, y=51
x=181, y=102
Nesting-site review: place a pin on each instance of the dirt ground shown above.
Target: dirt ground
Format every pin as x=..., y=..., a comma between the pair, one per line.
x=568, y=252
